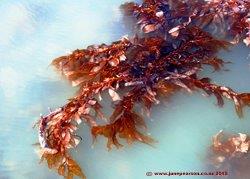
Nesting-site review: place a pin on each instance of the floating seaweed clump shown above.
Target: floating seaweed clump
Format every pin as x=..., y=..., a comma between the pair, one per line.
x=224, y=17
x=146, y=67
x=231, y=152
x=227, y=17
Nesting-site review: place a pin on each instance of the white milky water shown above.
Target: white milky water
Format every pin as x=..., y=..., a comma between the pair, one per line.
x=33, y=32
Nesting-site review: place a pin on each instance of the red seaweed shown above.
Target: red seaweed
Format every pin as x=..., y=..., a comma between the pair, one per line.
x=231, y=153
x=163, y=59
x=226, y=17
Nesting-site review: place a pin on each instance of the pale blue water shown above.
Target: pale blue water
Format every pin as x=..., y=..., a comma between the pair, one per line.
x=33, y=32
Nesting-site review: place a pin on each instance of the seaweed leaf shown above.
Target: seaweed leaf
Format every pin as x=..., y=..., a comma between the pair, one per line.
x=74, y=169
x=125, y=126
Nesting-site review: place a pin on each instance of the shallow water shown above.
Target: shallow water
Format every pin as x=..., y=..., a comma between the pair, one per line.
x=33, y=32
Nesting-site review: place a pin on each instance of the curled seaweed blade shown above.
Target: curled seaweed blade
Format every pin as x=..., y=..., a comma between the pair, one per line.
x=65, y=166
x=74, y=169
x=216, y=63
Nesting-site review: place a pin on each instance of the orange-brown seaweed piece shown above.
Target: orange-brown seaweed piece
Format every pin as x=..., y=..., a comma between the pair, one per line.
x=231, y=153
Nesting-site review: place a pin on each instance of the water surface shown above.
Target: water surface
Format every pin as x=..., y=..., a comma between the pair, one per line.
x=33, y=32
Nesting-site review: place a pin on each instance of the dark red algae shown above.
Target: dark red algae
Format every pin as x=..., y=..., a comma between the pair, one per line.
x=172, y=45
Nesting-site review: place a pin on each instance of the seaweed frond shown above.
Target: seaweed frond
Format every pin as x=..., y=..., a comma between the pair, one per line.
x=163, y=60
x=224, y=17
